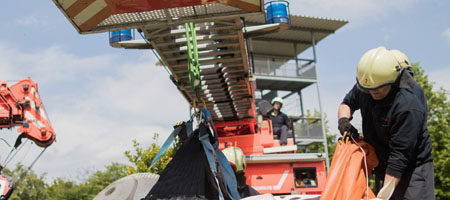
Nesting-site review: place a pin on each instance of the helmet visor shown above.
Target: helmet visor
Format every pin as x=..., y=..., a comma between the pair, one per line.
x=366, y=90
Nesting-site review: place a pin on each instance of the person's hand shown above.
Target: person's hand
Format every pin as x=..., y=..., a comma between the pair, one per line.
x=344, y=125
x=388, y=189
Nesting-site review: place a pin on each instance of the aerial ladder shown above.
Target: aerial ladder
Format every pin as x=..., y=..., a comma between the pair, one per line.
x=241, y=46
x=22, y=107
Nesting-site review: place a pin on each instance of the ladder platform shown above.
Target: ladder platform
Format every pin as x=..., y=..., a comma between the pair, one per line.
x=285, y=157
x=280, y=149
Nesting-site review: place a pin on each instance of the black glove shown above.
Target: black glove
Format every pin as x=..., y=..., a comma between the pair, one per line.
x=344, y=125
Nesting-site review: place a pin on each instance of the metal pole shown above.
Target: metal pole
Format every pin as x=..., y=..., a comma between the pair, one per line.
x=301, y=102
x=252, y=58
x=296, y=59
x=320, y=101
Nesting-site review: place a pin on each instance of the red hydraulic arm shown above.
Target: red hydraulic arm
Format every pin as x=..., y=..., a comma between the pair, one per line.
x=20, y=105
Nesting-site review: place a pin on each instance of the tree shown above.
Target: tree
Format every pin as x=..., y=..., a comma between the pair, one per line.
x=141, y=159
x=66, y=189
x=438, y=125
x=100, y=179
x=96, y=182
x=28, y=184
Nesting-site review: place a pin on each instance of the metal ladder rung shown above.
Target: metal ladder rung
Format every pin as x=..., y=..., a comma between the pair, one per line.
x=201, y=47
x=205, y=55
x=211, y=61
x=198, y=29
x=200, y=40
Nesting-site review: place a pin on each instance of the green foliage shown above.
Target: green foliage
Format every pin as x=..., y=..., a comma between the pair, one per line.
x=100, y=179
x=32, y=186
x=28, y=184
x=141, y=158
x=69, y=190
x=438, y=125
x=96, y=182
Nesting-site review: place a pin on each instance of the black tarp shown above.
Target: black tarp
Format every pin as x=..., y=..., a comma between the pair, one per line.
x=187, y=176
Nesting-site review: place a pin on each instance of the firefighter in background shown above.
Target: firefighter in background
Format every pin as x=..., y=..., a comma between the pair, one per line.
x=394, y=121
x=236, y=158
x=280, y=121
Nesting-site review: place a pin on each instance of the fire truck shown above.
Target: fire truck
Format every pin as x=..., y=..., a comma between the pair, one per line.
x=231, y=56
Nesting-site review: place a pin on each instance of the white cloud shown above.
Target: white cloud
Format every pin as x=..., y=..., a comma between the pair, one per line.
x=387, y=37
x=356, y=11
x=31, y=20
x=96, y=104
x=440, y=78
x=446, y=34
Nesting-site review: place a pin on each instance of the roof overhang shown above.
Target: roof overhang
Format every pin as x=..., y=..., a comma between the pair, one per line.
x=92, y=16
x=297, y=37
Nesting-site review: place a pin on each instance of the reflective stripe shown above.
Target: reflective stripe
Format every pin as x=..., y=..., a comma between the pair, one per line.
x=274, y=187
x=89, y=12
x=96, y=19
x=33, y=119
x=66, y=3
x=33, y=91
x=77, y=7
x=41, y=111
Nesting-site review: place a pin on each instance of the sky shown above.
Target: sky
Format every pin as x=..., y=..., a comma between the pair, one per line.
x=99, y=98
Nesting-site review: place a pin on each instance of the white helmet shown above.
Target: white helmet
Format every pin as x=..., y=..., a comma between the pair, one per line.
x=277, y=99
x=401, y=58
x=236, y=158
x=376, y=68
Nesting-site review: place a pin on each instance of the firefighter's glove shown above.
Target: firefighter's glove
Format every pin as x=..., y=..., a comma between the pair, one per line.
x=344, y=125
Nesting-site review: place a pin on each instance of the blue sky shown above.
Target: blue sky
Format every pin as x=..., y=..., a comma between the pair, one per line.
x=99, y=98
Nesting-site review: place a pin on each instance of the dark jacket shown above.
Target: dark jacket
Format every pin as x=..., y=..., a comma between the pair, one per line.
x=244, y=189
x=279, y=120
x=395, y=126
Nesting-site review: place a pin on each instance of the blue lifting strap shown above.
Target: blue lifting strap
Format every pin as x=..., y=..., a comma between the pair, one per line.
x=209, y=152
x=212, y=153
x=170, y=140
x=227, y=172
x=189, y=128
x=208, y=120
x=228, y=176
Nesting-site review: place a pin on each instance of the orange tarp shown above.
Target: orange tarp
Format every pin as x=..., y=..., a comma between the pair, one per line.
x=347, y=175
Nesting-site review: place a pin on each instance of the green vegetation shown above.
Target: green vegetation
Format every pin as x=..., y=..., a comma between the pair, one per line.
x=32, y=186
x=142, y=158
x=438, y=126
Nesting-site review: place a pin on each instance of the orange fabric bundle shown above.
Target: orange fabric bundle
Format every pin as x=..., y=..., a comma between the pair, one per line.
x=347, y=175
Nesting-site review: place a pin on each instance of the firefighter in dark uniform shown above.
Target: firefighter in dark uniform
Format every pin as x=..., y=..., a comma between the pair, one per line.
x=236, y=158
x=280, y=121
x=394, y=121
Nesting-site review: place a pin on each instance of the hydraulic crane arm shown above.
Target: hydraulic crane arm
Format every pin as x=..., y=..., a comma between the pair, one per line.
x=20, y=105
